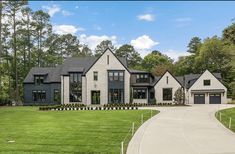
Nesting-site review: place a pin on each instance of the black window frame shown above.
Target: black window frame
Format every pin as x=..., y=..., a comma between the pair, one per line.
x=116, y=76
x=139, y=93
x=75, y=87
x=38, y=79
x=142, y=78
x=95, y=76
x=207, y=82
x=120, y=95
x=39, y=96
x=56, y=95
x=167, y=97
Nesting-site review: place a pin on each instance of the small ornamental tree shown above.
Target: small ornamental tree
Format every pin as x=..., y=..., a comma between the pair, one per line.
x=179, y=96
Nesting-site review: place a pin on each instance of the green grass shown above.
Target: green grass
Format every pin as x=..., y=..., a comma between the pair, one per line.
x=225, y=117
x=37, y=131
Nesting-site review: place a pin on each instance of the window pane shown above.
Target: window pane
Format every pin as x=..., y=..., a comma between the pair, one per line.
x=110, y=76
x=115, y=76
x=95, y=76
x=167, y=94
x=121, y=78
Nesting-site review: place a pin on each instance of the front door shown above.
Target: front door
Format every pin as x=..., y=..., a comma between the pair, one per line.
x=95, y=97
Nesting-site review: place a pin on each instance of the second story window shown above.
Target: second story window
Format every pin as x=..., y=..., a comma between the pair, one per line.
x=142, y=78
x=207, y=82
x=38, y=79
x=95, y=74
x=116, y=76
x=167, y=80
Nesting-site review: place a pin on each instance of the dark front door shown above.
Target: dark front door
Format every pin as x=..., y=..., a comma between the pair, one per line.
x=199, y=98
x=95, y=97
x=215, y=98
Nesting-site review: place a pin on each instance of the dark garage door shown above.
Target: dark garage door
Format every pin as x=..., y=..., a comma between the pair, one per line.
x=215, y=98
x=199, y=98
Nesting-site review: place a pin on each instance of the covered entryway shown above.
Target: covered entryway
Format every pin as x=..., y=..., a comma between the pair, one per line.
x=95, y=97
x=199, y=98
x=215, y=99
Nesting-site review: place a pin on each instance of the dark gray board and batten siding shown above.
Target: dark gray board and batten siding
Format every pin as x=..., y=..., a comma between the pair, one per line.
x=48, y=88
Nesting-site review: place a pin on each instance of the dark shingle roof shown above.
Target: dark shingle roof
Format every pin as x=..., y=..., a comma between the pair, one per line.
x=138, y=71
x=52, y=74
x=73, y=64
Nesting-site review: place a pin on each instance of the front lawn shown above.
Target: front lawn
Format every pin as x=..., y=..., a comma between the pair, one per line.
x=28, y=130
x=225, y=117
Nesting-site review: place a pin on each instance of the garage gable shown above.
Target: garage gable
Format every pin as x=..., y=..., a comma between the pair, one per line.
x=207, y=81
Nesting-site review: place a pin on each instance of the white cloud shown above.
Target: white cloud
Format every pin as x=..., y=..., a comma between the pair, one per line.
x=66, y=13
x=146, y=17
x=93, y=40
x=66, y=29
x=52, y=9
x=174, y=54
x=143, y=42
x=76, y=7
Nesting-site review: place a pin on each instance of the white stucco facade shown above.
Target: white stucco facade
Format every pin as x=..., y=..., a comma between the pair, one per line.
x=163, y=83
x=215, y=87
x=106, y=62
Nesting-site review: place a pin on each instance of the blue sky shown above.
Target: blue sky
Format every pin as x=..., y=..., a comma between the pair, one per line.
x=165, y=26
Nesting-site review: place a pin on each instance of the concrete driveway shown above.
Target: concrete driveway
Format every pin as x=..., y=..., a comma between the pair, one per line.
x=184, y=130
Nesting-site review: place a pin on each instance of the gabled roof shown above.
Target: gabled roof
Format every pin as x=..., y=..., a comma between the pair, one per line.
x=190, y=79
x=122, y=60
x=72, y=64
x=171, y=75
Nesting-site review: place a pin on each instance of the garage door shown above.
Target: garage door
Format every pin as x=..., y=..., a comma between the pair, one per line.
x=215, y=98
x=199, y=98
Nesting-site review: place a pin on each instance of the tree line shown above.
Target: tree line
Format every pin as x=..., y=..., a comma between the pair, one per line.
x=27, y=40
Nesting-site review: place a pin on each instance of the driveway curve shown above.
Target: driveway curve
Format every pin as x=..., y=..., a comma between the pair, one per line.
x=184, y=130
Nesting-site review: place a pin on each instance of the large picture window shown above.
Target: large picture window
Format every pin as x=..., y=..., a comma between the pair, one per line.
x=116, y=96
x=39, y=96
x=75, y=87
x=167, y=94
x=139, y=93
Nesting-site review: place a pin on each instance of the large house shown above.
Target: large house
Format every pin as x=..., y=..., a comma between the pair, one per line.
x=107, y=79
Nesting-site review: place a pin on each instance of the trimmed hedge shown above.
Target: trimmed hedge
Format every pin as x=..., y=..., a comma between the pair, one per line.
x=58, y=108
x=127, y=105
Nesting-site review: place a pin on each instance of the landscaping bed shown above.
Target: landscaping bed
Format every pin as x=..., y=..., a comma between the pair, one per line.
x=28, y=130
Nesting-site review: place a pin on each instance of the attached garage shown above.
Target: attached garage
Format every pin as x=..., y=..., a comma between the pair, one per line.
x=215, y=98
x=199, y=98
